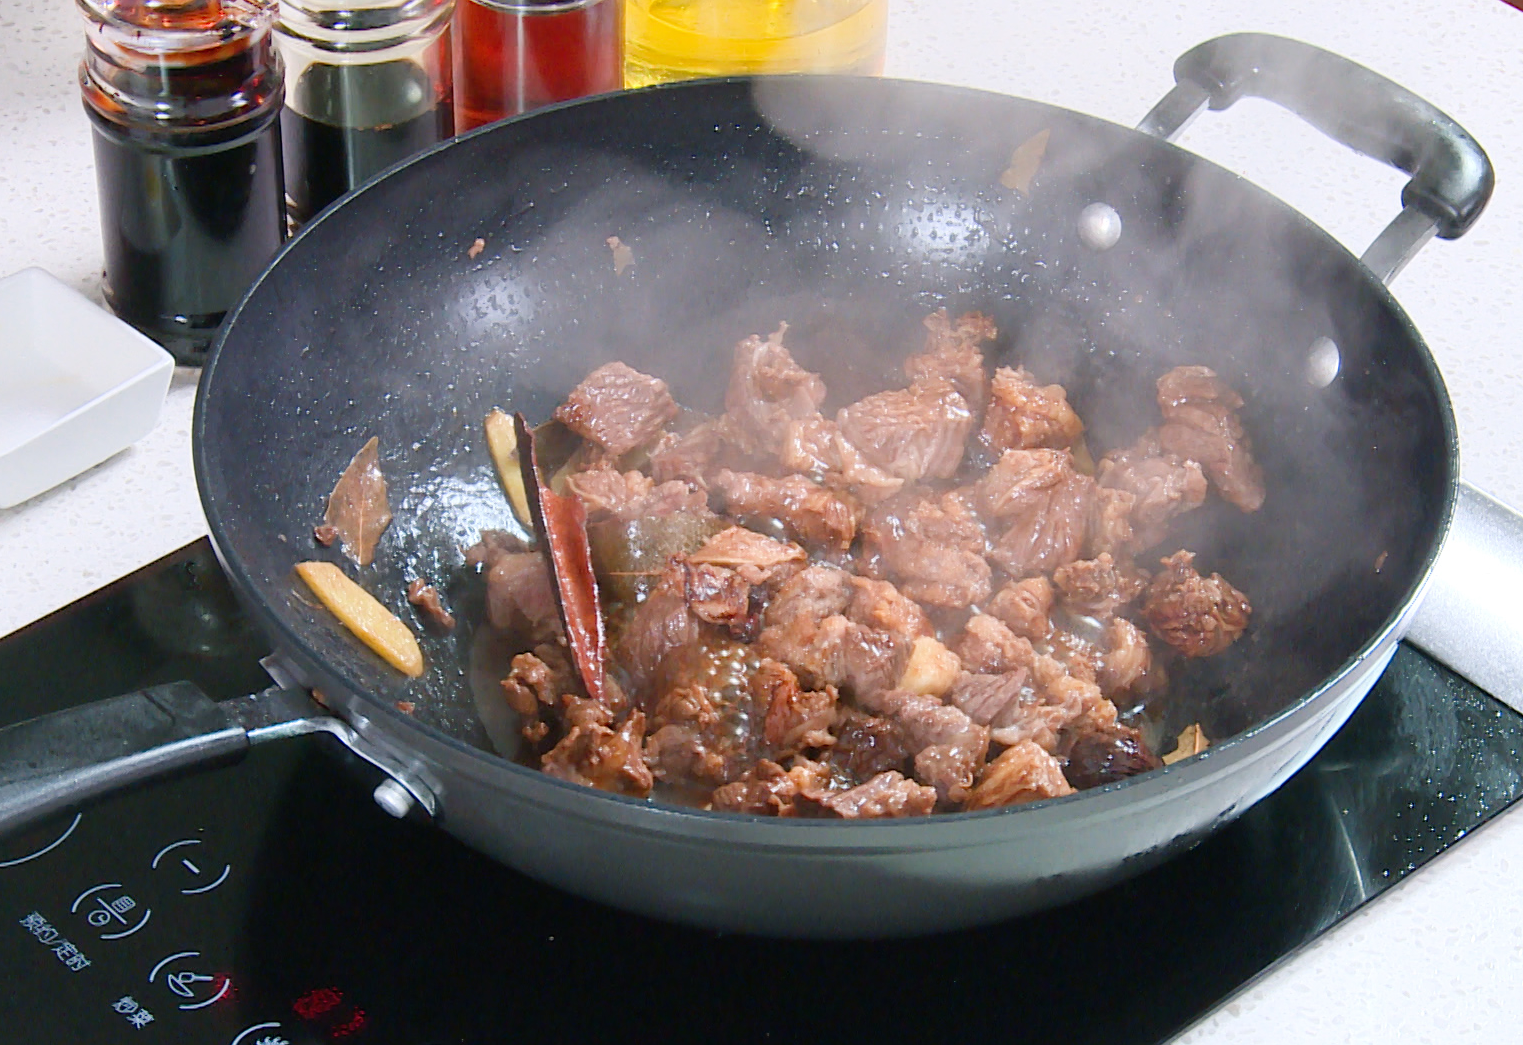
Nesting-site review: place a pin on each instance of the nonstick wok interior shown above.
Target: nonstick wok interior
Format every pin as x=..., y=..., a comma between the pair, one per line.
x=848, y=209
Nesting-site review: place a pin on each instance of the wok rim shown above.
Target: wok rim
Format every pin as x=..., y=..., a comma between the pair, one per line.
x=285, y=637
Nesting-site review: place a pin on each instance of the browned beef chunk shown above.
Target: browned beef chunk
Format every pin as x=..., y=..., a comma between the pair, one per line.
x=795, y=718
x=687, y=741
x=949, y=747
x=358, y=512
x=887, y=794
x=618, y=408
x=520, y=595
x=867, y=745
x=1127, y=663
x=1024, y=415
x=932, y=547
x=1022, y=773
x=1036, y=705
x=1105, y=756
x=1162, y=486
x=1042, y=506
x=809, y=445
x=425, y=597
x=952, y=352
x=631, y=495
x=1098, y=587
x=688, y=458
x=804, y=627
x=603, y=757
x=534, y=680
x=766, y=789
x=750, y=554
x=1201, y=424
x=816, y=516
x=1024, y=607
x=662, y=623
x=767, y=390
x=914, y=433
x=988, y=646
x=1110, y=521
x=492, y=545
x=1199, y=616
x=880, y=606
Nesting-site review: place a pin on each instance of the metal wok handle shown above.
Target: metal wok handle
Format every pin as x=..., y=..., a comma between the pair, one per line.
x=1451, y=177
x=53, y=762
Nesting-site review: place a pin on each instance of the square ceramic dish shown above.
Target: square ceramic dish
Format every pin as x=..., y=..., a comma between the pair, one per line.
x=76, y=384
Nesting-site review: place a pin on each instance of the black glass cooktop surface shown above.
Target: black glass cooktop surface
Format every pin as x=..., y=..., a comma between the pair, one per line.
x=273, y=903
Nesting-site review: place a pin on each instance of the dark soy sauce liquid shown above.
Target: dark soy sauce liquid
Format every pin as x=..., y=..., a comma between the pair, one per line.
x=342, y=125
x=186, y=227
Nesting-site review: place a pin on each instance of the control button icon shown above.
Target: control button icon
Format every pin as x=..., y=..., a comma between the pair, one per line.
x=179, y=856
x=199, y=989
x=246, y=1036
x=108, y=911
x=46, y=848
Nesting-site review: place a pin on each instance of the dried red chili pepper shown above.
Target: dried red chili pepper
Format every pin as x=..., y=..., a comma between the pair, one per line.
x=561, y=523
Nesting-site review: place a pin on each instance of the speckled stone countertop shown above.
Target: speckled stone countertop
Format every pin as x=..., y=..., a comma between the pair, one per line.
x=1435, y=960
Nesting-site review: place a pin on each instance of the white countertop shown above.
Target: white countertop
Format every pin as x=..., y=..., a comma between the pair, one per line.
x=1438, y=958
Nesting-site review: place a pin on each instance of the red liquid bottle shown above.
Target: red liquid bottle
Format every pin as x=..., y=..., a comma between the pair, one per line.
x=513, y=57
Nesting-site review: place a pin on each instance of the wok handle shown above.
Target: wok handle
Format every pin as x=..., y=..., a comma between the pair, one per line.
x=1471, y=616
x=1452, y=178
x=50, y=763
x=53, y=762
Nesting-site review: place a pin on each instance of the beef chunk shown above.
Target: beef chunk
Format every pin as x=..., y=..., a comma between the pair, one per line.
x=886, y=794
x=988, y=646
x=949, y=747
x=1127, y=663
x=1014, y=707
x=1024, y=415
x=914, y=433
x=932, y=547
x=1024, y=607
x=661, y=624
x=867, y=745
x=1043, y=506
x=425, y=597
x=1162, y=485
x=1098, y=587
x=618, y=408
x=687, y=742
x=880, y=606
x=809, y=445
x=1199, y=616
x=1201, y=424
x=816, y=516
x=766, y=789
x=795, y=718
x=767, y=390
x=1022, y=773
x=688, y=458
x=631, y=495
x=952, y=352
x=603, y=757
x=530, y=683
x=520, y=595
x=358, y=512
x=713, y=593
x=1110, y=521
x=750, y=554
x=1105, y=756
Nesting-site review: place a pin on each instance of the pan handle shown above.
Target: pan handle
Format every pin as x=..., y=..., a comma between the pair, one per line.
x=53, y=762
x=1451, y=177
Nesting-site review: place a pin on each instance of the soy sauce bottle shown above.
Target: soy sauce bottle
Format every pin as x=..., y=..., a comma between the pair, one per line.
x=368, y=85
x=183, y=97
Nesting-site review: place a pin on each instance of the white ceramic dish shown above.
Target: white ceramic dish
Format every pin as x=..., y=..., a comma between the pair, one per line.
x=77, y=385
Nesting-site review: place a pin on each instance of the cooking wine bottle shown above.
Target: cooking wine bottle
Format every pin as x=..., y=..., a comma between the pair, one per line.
x=182, y=97
x=511, y=57
x=368, y=84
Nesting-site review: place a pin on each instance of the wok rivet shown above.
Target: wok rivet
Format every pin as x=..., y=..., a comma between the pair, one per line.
x=1099, y=226
x=1322, y=362
x=393, y=797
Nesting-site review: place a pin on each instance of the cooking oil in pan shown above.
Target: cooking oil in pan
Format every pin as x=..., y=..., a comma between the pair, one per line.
x=681, y=39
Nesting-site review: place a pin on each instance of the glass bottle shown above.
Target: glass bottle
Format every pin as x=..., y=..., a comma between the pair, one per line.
x=368, y=84
x=182, y=97
x=681, y=39
x=511, y=57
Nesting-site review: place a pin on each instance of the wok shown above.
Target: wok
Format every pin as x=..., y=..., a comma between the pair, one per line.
x=848, y=208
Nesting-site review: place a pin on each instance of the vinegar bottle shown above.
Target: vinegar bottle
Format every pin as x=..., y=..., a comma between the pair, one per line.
x=183, y=97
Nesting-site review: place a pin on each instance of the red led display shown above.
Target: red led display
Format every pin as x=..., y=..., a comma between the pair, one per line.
x=325, y=1009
